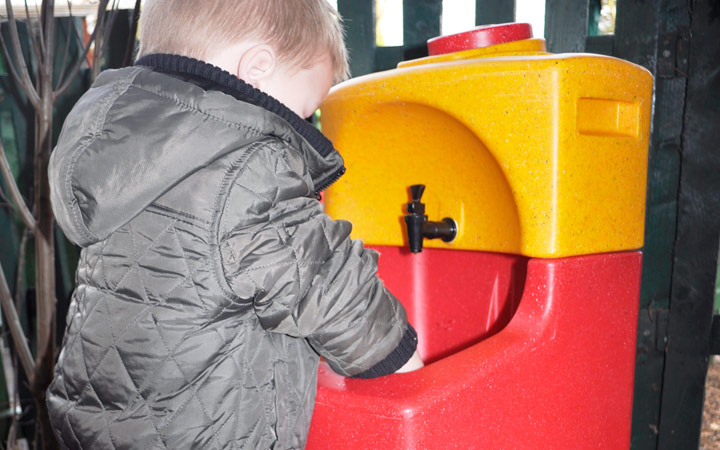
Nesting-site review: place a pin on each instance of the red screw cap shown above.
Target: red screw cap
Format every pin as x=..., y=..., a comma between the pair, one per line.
x=484, y=36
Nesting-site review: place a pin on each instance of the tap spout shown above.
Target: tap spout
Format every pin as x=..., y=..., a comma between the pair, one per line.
x=420, y=228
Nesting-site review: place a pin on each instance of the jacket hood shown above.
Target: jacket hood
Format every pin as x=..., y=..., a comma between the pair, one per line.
x=140, y=131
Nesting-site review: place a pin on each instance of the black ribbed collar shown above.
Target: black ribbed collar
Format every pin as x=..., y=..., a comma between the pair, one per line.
x=211, y=77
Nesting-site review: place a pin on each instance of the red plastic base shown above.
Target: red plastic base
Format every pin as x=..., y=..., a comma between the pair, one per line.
x=558, y=376
x=451, y=303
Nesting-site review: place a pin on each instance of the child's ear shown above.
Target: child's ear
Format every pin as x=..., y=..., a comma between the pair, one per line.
x=256, y=65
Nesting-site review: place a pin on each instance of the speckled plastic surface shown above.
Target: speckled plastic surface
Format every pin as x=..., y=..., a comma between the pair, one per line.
x=559, y=376
x=529, y=317
x=483, y=36
x=453, y=299
x=537, y=154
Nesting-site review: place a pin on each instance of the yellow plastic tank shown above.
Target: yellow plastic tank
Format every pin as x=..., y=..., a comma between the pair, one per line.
x=531, y=153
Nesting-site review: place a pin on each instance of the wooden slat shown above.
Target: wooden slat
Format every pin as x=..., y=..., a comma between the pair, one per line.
x=494, y=11
x=421, y=22
x=388, y=57
x=691, y=55
x=566, y=23
x=715, y=336
x=359, y=17
x=636, y=32
x=636, y=40
x=602, y=45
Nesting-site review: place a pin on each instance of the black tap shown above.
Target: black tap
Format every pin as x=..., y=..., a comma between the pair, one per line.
x=418, y=226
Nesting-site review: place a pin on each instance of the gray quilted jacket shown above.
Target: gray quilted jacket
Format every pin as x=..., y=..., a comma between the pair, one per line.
x=209, y=280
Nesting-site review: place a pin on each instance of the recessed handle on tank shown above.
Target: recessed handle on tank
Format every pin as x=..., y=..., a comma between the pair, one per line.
x=418, y=225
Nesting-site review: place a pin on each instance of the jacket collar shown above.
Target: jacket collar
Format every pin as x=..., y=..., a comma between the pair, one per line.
x=210, y=77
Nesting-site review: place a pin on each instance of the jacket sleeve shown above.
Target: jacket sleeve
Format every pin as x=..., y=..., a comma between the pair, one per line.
x=303, y=274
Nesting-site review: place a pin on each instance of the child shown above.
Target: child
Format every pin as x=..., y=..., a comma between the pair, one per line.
x=210, y=282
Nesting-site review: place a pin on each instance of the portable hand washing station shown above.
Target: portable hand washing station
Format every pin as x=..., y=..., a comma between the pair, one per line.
x=527, y=317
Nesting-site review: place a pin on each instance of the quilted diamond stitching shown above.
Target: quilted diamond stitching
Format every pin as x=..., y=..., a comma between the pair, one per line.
x=133, y=322
x=292, y=250
x=277, y=182
x=110, y=435
x=171, y=357
x=169, y=420
x=170, y=231
x=90, y=377
x=72, y=431
x=248, y=375
x=107, y=312
x=152, y=376
x=220, y=427
x=305, y=400
x=140, y=398
x=149, y=247
x=101, y=260
x=93, y=265
x=190, y=273
x=91, y=445
x=325, y=232
x=83, y=316
x=74, y=341
x=160, y=437
x=247, y=189
x=255, y=427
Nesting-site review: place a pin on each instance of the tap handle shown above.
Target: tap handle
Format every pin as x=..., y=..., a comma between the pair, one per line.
x=416, y=190
x=415, y=206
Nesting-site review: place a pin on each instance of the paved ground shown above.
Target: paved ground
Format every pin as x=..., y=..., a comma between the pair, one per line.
x=710, y=438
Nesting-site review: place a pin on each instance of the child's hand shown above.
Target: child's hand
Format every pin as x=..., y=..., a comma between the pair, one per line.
x=414, y=363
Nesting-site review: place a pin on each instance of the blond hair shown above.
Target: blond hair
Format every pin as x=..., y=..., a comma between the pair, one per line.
x=297, y=29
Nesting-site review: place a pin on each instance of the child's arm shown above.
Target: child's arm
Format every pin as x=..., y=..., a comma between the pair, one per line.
x=303, y=274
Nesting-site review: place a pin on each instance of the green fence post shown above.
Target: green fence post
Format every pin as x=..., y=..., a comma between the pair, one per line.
x=489, y=12
x=359, y=18
x=694, y=49
x=421, y=20
x=566, y=23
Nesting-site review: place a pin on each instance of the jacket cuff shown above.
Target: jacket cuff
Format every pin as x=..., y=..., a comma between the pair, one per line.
x=396, y=359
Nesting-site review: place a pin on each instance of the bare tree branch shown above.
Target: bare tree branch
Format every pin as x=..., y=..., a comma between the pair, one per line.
x=15, y=403
x=22, y=68
x=105, y=22
x=47, y=33
x=9, y=360
x=109, y=21
x=65, y=84
x=10, y=372
x=82, y=44
x=19, y=298
x=5, y=201
x=40, y=30
x=37, y=47
x=13, y=321
x=20, y=278
x=130, y=46
x=68, y=39
x=98, y=48
x=11, y=65
x=12, y=432
x=18, y=200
